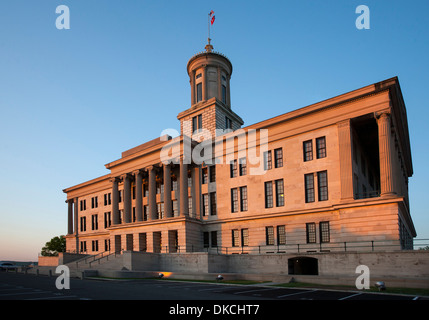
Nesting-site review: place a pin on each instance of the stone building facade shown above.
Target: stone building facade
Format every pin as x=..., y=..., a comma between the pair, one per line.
x=332, y=175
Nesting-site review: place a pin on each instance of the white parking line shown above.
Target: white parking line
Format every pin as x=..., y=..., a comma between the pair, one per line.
x=254, y=290
x=353, y=295
x=293, y=294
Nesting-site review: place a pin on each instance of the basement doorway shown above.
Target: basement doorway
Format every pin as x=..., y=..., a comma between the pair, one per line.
x=303, y=266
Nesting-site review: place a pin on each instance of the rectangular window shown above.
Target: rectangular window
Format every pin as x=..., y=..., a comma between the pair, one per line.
x=244, y=237
x=243, y=198
x=269, y=235
x=324, y=232
x=224, y=94
x=213, y=235
x=212, y=173
x=213, y=203
x=280, y=200
x=175, y=208
x=82, y=224
x=233, y=169
x=205, y=176
x=107, y=199
x=107, y=220
x=268, y=164
x=242, y=167
x=199, y=92
x=281, y=235
x=311, y=232
x=309, y=187
x=120, y=195
x=235, y=238
x=83, y=246
x=268, y=194
x=321, y=147
x=322, y=185
x=234, y=200
x=94, y=245
x=107, y=245
x=190, y=205
x=308, y=150
x=206, y=239
x=228, y=123
x=94, y=222
x=278, y=158
x=82, y=205
x=205, y=204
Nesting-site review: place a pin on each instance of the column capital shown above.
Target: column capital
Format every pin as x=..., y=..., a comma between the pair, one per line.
x=115, y=179
x=382, y=114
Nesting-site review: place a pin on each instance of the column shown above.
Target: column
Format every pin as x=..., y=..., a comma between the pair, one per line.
x=168, y=210
x=219, y=84
x=385, y=151
x=115, y=201
x=70, y=216
x=183, y=188
x=152, y=215
x=205, y=82
x=192, y=81
x=76, y=222
x=228, y=91
x=139, y=195
x=346, y=165
x=127, y=198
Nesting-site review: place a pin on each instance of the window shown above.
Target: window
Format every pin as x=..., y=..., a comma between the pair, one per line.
x=244, y=237
x=94, y=245
x=213, y=203
x=228, y=123
x=107, y=220
x=235, y=238
x=107, y=245
x=94, y=222
x=321, y=147
x=83, y=246
x=309, y=187
x=134, y=214
x=224, y=94
x=120, y=195
x=133, y=189
x=94, y=202
x=242, y=167
x=190, y=205
x=82, y=224
x=281, y=235
x=213, y=236
x=267, y=160
x=198, y=76
x=280, y=200
x=311, y=232
x=107, y=199
x=269, y=235
x=324, y=232
x=199, y=92
x=322, y=184
x=206, y=239
x=205, y=176
x=243, y=198
x=205, y=204
x=278, y=158
x=175, y=208
x=233, y=168
x=234, y=200
x=308, y=150
x=268, y=194
x=82, y=205
x=212, y=173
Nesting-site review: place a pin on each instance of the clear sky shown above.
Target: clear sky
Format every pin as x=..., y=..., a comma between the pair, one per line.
x=73, y=100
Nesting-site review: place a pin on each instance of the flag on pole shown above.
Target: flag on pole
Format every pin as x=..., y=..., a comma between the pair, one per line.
x=211, y=14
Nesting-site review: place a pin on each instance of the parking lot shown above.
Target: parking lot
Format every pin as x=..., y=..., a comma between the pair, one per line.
x=31, y=287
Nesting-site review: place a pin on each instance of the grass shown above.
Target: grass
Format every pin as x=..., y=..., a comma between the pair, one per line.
x=407, y=291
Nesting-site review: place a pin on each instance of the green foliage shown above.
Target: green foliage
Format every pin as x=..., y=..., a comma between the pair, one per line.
x=54, y=246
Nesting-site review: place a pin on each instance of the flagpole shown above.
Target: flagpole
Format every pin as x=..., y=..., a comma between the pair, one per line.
x=208, y=24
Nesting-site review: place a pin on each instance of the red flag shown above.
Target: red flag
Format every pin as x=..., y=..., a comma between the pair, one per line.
x=211, y=12
x=213, y=19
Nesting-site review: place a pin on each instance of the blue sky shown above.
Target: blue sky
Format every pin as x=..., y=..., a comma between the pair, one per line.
x=73, y=100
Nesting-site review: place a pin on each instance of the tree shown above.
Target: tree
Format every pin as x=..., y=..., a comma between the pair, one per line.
x=54, y=246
